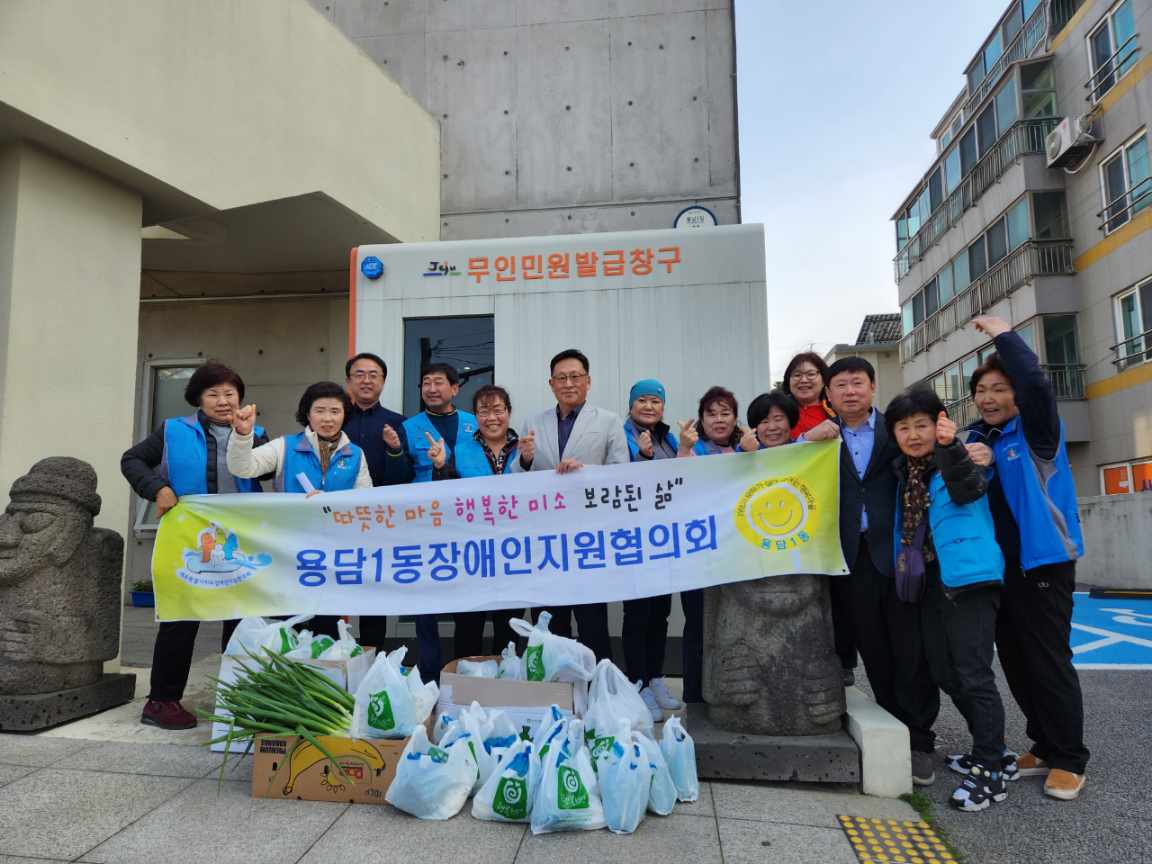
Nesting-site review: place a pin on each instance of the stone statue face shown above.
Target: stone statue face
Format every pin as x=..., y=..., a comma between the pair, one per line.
x=777, y=597
x=36, y=533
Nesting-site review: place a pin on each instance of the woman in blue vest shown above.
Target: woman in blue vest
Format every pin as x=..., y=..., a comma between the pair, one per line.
x=491, y=452
x=186, y=456
x=715, y=431
x=1033, y=500
x=947, y=561
x=319, y=459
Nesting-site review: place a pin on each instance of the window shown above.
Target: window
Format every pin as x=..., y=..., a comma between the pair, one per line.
x=1038, y=90
x=1125, y=183
x=165, y=381
x=931, y=298
x=992, y=51
x=968, y=153
x=952, y=170
x=1012, y=25
x=977, y=259
x=1017, y=220
x=1049, y=214
x=918, y=309
x=935, y=190
x=944, y=281
x=954, y=387
x=967, y=367
x=906, y=317
x=997, y=242
x=986, y=128
x=1060, y=340
x=1005, y=100
x=1133, y=321
x=940, y=385
x=975, y=74
x=1112, y=49
x=901, y=231
x=1028, y=334
x=960, y=277
x=467, y=343
x=1031, y=6
x=1126, y=477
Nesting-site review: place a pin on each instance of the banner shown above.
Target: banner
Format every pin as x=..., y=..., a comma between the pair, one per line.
x=602, y=533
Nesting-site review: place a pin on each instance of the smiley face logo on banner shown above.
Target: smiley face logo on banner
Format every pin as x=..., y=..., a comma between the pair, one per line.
x=776, y=514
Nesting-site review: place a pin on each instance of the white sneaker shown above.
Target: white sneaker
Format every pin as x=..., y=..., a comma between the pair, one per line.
x=664, y=697
x=653, y=707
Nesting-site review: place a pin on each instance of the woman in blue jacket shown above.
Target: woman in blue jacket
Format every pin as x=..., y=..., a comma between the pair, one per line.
x=489, y=452
x=186, y=456
x=947, y=561
x=1033, y=500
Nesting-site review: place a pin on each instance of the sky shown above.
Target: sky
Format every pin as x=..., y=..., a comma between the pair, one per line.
x=837, y=100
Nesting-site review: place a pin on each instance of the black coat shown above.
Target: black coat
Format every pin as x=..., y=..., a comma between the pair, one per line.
x=876, y=490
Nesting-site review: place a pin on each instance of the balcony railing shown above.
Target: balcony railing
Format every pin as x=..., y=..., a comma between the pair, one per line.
x=1133, y=351
x=1034, y=258
x=1113, y=68
x=1125, y=205
x=1023, y=137
x=1067, y=379
x=1062, y=12
x=1024, y=43
x=963, y=411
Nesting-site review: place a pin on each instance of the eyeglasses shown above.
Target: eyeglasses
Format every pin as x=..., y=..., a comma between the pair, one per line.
x=366, y=376
x=805, y=376
x=492, y=412
x=574, y=378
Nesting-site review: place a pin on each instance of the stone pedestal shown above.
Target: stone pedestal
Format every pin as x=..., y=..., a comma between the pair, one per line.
x=725, y=755
x=37, y=711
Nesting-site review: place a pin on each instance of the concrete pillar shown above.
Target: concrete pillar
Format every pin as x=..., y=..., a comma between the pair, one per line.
x=69, y=310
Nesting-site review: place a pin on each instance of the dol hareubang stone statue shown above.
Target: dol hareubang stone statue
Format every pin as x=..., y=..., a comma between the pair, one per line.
x=59, y=599
x=770, y=668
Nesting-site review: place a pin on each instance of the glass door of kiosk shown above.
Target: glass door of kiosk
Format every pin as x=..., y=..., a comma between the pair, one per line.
x=466, y=343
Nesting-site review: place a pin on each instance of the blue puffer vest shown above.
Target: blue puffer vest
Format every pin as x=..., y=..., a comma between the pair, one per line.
x=300, y=458
x=185, y=459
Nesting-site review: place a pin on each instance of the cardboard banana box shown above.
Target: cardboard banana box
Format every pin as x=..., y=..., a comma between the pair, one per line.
x=291, y=767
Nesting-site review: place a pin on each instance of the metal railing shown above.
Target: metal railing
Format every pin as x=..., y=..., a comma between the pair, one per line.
x=1112, y=68
x=1022, y=45
x=1114, y=216
x=1023, y=137
x=963, y=411
x=1133, y=351
x=1062, y=12
x=1067, y=379
x=1034, y=258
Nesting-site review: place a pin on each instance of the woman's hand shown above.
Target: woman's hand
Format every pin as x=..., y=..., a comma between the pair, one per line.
x=945, y=430
x=165, y=500
x=244, y=420
x=981, y=454
x=688, y=437
x=437, y=453
x=749, y=443
x=644, y=443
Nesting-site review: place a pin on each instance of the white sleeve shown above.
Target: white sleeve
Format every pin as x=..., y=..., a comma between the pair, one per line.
x=246, y=461
x=363, y=478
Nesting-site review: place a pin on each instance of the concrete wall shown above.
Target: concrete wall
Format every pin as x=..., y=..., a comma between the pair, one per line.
x=228, y=103
x=561, y=117
x=1117, y=541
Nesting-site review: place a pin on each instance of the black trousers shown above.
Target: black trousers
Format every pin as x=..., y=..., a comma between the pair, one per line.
x=1032, y=635
x=843, y=627
x=591, y=623
x=372, y=631
x=469, y=633
x=645, y=636
x=888, y=636
x=959, y=632
x=692, y=644
x=172, y=657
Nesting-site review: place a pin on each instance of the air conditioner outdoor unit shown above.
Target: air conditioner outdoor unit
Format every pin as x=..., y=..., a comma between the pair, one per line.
x=1069, y=141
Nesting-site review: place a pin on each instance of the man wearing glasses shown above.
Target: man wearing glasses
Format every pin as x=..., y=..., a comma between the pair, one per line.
x=380, y=434
x=564, y=439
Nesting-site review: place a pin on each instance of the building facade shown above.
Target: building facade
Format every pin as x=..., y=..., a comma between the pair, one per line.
x=1036, y=209
x=878, y=342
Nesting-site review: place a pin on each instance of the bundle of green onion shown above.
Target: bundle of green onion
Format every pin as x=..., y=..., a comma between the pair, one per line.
x=276, y=696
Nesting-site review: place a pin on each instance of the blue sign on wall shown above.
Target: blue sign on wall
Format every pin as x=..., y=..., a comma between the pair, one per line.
x=372, y=267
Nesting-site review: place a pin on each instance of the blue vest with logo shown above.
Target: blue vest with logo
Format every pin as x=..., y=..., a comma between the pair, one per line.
x=472, y=461
x=963, y=535
x=300, y=458
x=632, y=434
x=1042, y=497
x=185, y=461
x=419, y=424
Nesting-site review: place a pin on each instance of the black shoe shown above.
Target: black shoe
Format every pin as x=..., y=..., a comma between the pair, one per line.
x=979, y=790
x=923, y=772
x=961, y=763
x=849, y=676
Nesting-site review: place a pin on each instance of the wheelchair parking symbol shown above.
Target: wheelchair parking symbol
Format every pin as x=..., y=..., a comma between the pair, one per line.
x=1111, y=634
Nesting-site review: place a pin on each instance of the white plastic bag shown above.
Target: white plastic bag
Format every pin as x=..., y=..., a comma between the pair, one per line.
x=552, y=728
x=500, y=732
x=568, y=798
x=549, y=657
x=507, y=795
x=477, y=668
x=431, y=782
x=468, y=731
x=511, y=666
x=612, y=697
x=343, y=648
x=443, y=723
x=680, y=753
x=662, y=795
x=253, y=635
x=389, y=703
x=625, y=778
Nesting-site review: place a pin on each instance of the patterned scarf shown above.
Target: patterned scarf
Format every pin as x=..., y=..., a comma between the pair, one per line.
x=325, y=448
x=916, y=502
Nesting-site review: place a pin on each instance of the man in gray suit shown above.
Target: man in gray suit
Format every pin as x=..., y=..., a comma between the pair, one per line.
x=565, y=438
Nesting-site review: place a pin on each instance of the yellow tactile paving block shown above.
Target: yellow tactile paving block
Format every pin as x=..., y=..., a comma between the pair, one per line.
x=890, y=841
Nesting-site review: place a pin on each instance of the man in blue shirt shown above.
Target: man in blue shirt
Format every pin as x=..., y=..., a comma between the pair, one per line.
x=885, y=630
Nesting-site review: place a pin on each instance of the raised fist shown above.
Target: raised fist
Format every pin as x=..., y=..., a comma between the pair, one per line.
x=244, y=420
